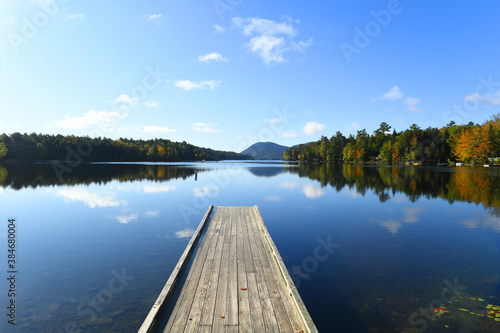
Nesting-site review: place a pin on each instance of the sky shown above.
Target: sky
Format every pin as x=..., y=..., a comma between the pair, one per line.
x=225, y=74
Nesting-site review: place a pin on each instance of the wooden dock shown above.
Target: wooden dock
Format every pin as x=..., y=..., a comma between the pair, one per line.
x=237, y=281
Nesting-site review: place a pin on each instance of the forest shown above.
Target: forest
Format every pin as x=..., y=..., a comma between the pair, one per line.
x=470, y=143
x=42, y=147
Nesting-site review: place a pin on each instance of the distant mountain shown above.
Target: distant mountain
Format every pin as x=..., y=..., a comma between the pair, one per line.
x=265, y=151
x=268, y=171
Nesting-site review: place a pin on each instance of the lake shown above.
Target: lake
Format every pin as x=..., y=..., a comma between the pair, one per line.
x=371, y=249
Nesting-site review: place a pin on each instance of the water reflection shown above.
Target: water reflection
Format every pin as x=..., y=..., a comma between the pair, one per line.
x=90, y=199
x=477, y=185
x=410, y=215
x=312, y=191
x=158, y=188
x=398, y=244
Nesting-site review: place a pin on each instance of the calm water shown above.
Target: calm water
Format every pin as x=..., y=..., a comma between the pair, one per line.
x=371, y=249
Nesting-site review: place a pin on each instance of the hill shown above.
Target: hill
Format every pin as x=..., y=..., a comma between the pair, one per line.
x=265, y=151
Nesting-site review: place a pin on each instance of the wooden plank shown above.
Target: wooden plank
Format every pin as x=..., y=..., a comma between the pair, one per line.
x=199, y=300
x=265, y=299
x=167, y=290
x=219, y=315
x=306, y=318
x=207, y=315
x=243, y=301
x=256, y=315
x=277, y=296
x=270, y=321
x=249, y=265
x=216, y=221
x=232, y=284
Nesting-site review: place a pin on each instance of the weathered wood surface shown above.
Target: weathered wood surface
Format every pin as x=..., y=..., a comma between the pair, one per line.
x=237, y=282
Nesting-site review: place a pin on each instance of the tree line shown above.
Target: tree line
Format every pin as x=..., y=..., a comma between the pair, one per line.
x=470, y=143
x=43, y=147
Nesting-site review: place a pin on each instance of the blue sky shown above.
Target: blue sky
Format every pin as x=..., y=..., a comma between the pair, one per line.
x=228, y=73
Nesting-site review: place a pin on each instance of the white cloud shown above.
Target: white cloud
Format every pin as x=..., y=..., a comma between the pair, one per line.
x=474, y=97
x=214, y=56
x=264, y=27
x=101, y=119
x=190, y=85
x=186, y=233
x=411, y=215
x=274, y=198
x=289, y=134
x=493, y=222
x=207, y=190
x=400, y=120
x=156, y=18
x=152, y=213
x=391, y=225
x=313, y=127
x=205, y=127
x=393, y=94
x=411, y=105
x=355, y=125
x=127, y=218
x=75, y=16
x=269, y=48
x=158, y=188
x=152, y=104
x=288, y=185
x=494, y=99
x=311, y=191
x=126, y=99
x=270, y=39
x=219, y=29
x=92, y=200
x=158, y=129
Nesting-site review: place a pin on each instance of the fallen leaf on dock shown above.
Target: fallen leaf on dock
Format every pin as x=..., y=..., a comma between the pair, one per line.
x=243, y=288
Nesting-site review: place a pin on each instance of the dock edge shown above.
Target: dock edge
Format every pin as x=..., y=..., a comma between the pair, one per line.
x=294, y=293
x=168, y=289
